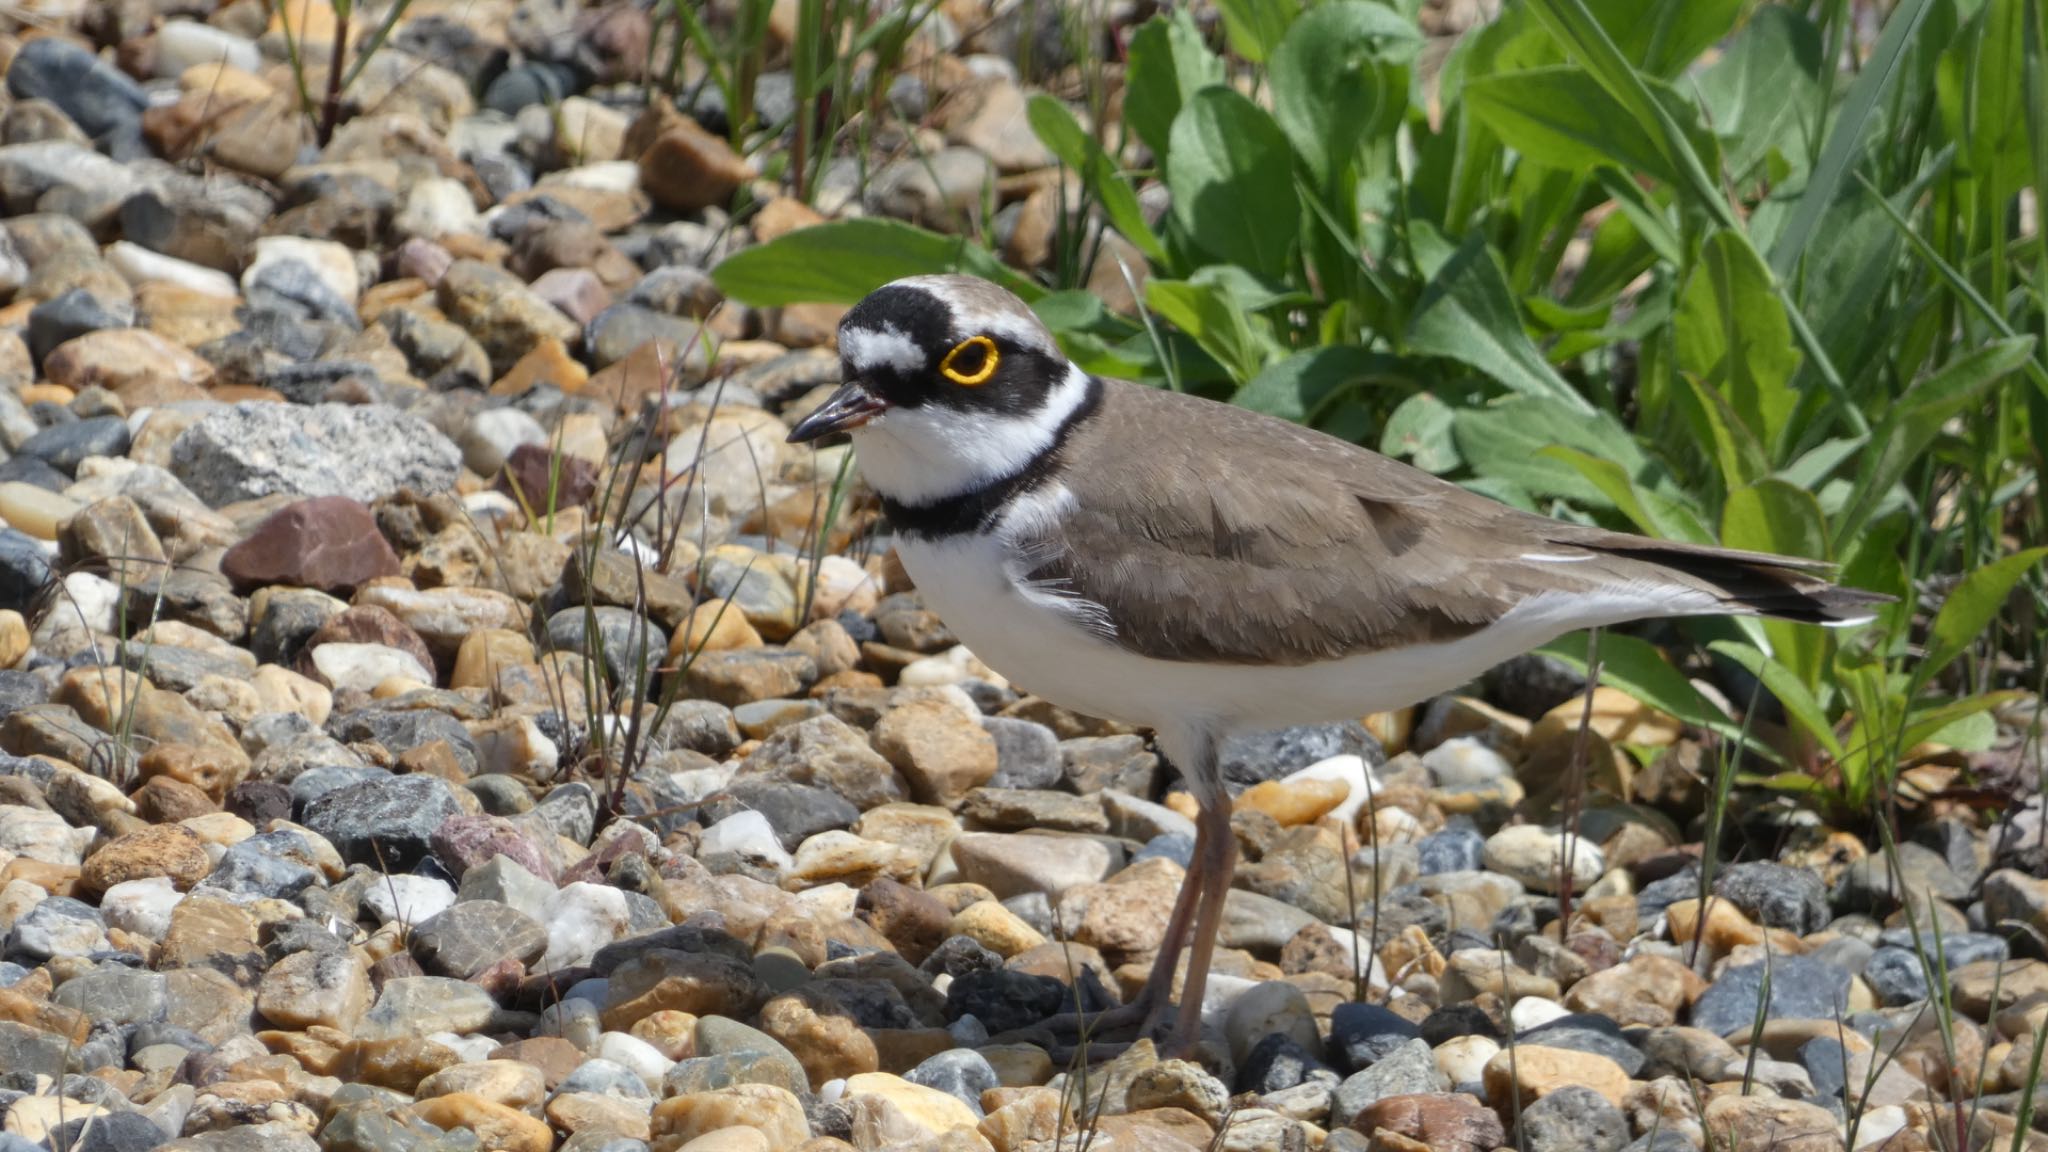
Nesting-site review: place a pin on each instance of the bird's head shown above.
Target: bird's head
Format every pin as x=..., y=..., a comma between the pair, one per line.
x=947, y=382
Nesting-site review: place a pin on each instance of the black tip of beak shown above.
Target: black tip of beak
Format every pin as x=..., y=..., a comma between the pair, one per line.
x=849, y=408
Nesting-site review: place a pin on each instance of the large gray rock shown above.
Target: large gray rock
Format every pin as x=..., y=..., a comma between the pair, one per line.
x=367, y=452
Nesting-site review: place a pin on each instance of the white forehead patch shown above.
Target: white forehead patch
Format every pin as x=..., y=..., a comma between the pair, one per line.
x=866, y=349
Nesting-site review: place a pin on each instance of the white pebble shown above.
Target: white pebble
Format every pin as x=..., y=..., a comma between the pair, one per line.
x=1462, y=762
x=364, y=666
x=139, y=265
x=438, y=207
x=407, y=899
x=582, y=918
x=141, y=907
x=472, y=1048
x=745, y=837
x=1535, y=1011
x=333, y=263
x=644, y=1059
x=1462, y=1059
x=182, y=44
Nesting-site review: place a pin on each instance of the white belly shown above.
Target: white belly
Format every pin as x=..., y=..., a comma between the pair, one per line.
x=1043, y=648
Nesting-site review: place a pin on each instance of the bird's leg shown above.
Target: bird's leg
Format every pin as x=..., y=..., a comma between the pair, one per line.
x=1215, y=860
x=1148, y=1008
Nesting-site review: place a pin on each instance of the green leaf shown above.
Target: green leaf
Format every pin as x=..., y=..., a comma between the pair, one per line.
x=1971, y=608
x=1560, y=117
x=1916, y=420
x=1981, y=93
x=1732, y=332
x=1664, y=37
x=1924, y=725
x=1650, y=511
x=1168, y=64
x=1231, y=173
x=1063, y=136
x=1845, y=143
x=1299, y=386
x=1774, y=516
x=1505, y=441
x=1205, y=312
x=843, y=260
x=1419, y=431
x=1339, y=77
x=1976, y=732
x=1799, y=703
x=1736, y=452
x=1761, y=93
x=1466, y=314
x=1254, y=27
x=1637, y=668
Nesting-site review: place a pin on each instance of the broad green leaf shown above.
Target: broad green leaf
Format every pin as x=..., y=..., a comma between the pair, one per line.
x=1505, y=441
x=1664, y=37
x=1738, y=455
x=1253, y=28
x=1652, y=512
x=1247, y=292
x=1299, y=386
x=843, y=260
x=1761, y=93
x=1340, y=76
x=1981, y=93
x=1419, y=431
x=1799, y=703
x=1732, y=332
x=1168, y=64
x=1206, y=313
x=1774, y=516
x=1970, y=609
x=1924, y=725
x=1064, y=138
x=1231, y=173
x=1070, y=311
x=1560, y=117
x=1916, y=420
x=1466, y=314
x=1976, y=732
x=1637, y=668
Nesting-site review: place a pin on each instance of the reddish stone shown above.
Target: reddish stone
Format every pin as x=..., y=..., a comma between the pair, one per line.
x=532, y=465
x=465, y=842
x=328, y=542
x=366, y=624
x=1446, y=1121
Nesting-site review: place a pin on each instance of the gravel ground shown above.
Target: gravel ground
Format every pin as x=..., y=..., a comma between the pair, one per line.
x=325, y=824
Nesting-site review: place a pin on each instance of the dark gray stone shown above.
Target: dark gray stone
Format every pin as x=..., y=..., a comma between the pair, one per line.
x=1027, y=753
x=473, y=935
x=63, y=446
x=402, y=731
x=1258, y=756
x=116, y=995
x=1279, y=1062
x=704, y=726
x=290, y=287
x=69, y=315
x=1363, y=1034
x=1455, y=849
x=1801, y=989
x=319, y=780
x=1586, y=1033
x=384, y=823
x=1573, y=1119
x=1827, y=1065
x=109, y=1132
x=24, y=569
x=97, y=96
x=1895, y=971
x=633, y=646
x=796, y=811
x=1406, y=1070
x=1868, y=885
x=961, y=1073
x=1775, y=895
x=273, y=864
x=1004, y=999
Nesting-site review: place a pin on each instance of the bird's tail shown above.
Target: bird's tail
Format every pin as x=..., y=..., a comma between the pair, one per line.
x=1748, y=583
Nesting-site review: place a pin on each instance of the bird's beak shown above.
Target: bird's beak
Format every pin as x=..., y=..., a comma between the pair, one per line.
x=849, y=408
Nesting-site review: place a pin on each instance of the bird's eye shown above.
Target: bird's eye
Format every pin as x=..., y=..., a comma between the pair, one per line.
x=972, y=361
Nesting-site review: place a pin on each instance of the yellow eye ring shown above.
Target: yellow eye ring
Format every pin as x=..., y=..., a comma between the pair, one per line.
x=989, y=358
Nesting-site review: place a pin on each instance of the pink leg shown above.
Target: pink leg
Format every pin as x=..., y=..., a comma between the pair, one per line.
x=1215, y=860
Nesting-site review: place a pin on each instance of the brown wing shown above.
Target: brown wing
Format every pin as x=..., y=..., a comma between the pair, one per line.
x=1236, y=538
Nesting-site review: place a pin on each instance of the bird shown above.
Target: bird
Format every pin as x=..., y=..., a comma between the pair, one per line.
x=1203, y=570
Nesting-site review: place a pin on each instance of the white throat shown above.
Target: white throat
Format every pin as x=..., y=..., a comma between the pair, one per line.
x=919, y=456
